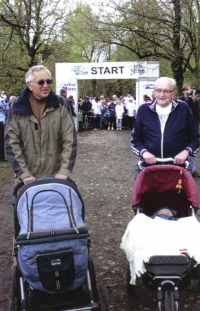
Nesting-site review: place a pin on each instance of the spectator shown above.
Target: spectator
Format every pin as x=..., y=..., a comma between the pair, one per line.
x=165, y=127
x=102, y=117
x=70, y=102
x=40, y=133
x=131, y=112
x=63, y=92
x=2, y=112
x=96, y=107
x=80, y=114
x=87, y=110
x=11, y=101
x=4, y=96
x=192, y=100
x=146, y=99
x=127, y=98
x=119, y=112
x=2, y=124
x=111, y=109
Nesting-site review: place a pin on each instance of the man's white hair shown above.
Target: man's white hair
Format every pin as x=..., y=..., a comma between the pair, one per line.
x=29, y=74
x=162, y=79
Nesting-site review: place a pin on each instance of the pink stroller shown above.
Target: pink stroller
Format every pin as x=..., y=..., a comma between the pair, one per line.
x=172, y=186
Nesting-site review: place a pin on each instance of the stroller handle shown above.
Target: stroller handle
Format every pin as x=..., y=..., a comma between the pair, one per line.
x=164, y=160
x=17, y=187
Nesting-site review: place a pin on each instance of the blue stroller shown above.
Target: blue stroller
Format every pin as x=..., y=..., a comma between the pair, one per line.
x=54, y=271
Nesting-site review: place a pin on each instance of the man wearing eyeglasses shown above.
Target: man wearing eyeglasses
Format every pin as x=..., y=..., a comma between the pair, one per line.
x=165, y=127
x=40, y=134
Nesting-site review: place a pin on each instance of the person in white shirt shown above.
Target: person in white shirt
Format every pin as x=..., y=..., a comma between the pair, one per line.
x=119, y=112
x=96, y=107
x=131, y=112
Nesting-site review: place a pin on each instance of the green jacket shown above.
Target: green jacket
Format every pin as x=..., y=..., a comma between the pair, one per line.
x=44, y=149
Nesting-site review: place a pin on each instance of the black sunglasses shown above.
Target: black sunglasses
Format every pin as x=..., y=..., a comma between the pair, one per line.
x=42, y=82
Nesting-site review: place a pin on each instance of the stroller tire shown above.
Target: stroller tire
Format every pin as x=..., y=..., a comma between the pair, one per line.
x=15, y=281
x=197, y=277
x=169, y=301
x=103, y=300
x=13, y=304
x=129, y=287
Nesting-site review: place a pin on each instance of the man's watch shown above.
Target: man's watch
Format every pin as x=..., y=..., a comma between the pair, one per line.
x=188, y=151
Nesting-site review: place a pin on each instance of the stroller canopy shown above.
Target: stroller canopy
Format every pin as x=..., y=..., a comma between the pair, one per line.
x=156, y=186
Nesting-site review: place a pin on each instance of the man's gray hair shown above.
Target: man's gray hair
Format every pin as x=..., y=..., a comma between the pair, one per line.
x=29, y=74
x=161, y=79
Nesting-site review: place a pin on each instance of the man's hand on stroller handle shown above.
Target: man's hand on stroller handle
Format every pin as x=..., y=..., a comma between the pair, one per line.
x=180, y=158
x=28, y=180
x=149, y=157
x=31, y=178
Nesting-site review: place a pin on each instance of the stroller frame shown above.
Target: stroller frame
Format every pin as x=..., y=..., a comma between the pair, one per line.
x=166, y=275
x=25, y=298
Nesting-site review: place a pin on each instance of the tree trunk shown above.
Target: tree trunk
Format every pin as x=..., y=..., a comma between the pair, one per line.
x=94, y=87
x=177, y=63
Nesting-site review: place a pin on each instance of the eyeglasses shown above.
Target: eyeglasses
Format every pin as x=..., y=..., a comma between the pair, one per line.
x=42, y=82
x=166, y=92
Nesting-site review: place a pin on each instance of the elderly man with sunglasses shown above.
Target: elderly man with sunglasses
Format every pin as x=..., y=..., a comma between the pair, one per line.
x=165, y=127
x=40, y=134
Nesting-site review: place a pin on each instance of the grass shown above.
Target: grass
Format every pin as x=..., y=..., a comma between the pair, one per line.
x=3, y=170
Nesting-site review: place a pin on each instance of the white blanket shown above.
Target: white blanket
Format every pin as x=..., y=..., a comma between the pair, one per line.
x=145, y=237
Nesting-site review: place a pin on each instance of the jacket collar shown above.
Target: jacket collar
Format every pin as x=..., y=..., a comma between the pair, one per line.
x=152, y=106
x=23, y=107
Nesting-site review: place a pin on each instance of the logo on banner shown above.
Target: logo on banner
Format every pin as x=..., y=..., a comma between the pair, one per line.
x=148, y=86
x=137, y=69
x=69, y=86
x=80, y=70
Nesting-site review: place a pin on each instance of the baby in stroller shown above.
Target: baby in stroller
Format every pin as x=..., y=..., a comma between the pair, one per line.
x=165, y=254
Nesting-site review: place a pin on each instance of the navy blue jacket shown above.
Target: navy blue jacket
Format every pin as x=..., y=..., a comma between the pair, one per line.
x=180, y=131
x=111, y=109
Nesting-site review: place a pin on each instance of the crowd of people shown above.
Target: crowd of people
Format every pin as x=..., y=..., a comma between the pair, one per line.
x=107, y=113
x=5, y=103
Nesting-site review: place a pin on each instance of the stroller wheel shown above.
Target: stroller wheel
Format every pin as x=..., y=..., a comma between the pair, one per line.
x=13, y=304
x=103, y=300
x=197, y=278
x=15, y=281
x=129, y=287
x=169, y=301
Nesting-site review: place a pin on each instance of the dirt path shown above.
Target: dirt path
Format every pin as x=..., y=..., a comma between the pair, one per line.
x=104, y=174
